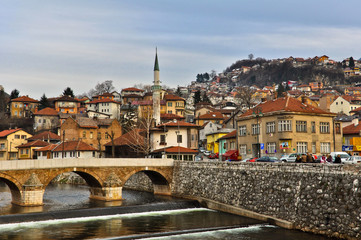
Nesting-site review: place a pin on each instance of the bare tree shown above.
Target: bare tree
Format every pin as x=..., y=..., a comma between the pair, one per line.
x=100, y=88
x=245, y=96
x=111, y=136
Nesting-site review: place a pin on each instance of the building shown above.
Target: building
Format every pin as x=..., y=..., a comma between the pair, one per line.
x=70, y=149
x=23, y=107
x=66, y=104
x=45, y=136
x=214, y=117
x=175, y=153
x=103, y=108
x=344, y=104
x=227, y=142
x=10, y=140
x=95, y=132
x=46, y=119
x=174, y=134
x=286, y=125
x=212, y=139
x=175, y=104
x=27, y=150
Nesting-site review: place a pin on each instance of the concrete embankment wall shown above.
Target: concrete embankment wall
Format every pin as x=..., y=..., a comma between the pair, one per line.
x=318, y=198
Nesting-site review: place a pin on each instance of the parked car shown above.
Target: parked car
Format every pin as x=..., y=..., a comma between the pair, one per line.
x=353, y=160
x=292, y=157
x=198, y=157
x=267, y=159
x=251, y=159
x=207, y=153
x=213, y=155
x=344, y=156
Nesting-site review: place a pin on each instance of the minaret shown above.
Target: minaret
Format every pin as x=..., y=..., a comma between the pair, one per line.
x=156, y=91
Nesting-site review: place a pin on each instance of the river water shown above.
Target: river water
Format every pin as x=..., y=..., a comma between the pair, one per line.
x=173, y=223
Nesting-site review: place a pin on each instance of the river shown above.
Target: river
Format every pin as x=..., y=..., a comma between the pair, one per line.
x=142, y=222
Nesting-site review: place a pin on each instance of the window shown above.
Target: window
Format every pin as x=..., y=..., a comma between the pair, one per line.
x=324, y=127
x=106, y=135
x=23, y=136
x=179, y=138
x=313, y=147
x=302, y=147
x=337, y=128
x=270, y=127
x=284, y=125
x=17, y=136
x=169, y=104
x=243, y=149
x=91, y=135
x=313, y=127
x=242, y=130
x=2, y=145
x=255, y=129
x=301, y=126
x=99, y=135
x=325, y=147
x=162, y=139
x=271, y=147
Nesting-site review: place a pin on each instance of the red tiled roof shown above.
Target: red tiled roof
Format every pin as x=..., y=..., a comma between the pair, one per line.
x=176, y=124
x=74, y=146
x=132, y=89
x=230, y=135
x=24, y=99
x=211, y=115
x=45, y=136
x=133, y=137
x=104, y=100
x=50, y=147
x=173, y=149
x=172, y=97
x=47, y=112
x=36, y=143
x=170, y=116
x=286, y=104
x=7, y=132
x=352, y=129
x=356, y=110
x=66, y=99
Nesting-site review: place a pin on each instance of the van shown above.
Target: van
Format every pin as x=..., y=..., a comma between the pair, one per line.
x=344, y=156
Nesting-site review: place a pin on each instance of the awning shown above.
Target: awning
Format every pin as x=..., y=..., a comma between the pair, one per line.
x=229, y=153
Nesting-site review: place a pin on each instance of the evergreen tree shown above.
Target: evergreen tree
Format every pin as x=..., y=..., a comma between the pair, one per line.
x=44, y=102
x=351, y=63
x=280, y=90
x=3, y=101
x=200, y=78
x=178, y=92
x=68, y=92
x=206, y=76
x=197, y=97
x=14, y=94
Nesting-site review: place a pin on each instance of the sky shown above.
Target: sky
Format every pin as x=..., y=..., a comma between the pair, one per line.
x=47, y=46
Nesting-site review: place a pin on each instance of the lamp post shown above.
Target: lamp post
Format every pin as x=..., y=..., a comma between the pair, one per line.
x=257, y=112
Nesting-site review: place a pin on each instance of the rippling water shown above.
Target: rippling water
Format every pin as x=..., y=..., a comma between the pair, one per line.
x=196, y=223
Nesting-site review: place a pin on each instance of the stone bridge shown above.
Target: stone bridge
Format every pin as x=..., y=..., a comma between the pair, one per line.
x=27, y=179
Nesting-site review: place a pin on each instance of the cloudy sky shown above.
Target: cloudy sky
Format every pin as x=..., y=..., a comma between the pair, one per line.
x=46, y=46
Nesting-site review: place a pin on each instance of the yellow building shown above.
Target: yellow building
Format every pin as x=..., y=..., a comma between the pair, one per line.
x=212, y=143
x=10, y=140
x=174, y=104
x=23, y=107
x=214, y=117
x=27, y=150
x=285, y=126
x=66, y=104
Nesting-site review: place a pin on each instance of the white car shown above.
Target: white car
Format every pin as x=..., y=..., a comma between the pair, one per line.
x=353, y=160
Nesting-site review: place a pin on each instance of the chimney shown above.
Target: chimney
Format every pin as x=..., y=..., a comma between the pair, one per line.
x=304, y=100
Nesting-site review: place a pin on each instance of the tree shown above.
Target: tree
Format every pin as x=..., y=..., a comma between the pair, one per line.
x=14, y=94
x=206, y=76
x=3, y=101
x=197, y=97
x=281, y=90
x=205, y=98
x=101, y=88
x=213, y=74
x=250, y=56
x=351, y=63
x=68, y=92
x=199, y=78
x=245, y=96
x=44, y=102
x=178, y=92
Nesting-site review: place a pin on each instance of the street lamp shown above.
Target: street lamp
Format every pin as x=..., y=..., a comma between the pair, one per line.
x=257, y=113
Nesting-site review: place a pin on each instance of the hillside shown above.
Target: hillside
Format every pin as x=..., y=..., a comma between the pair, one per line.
x=263, y=72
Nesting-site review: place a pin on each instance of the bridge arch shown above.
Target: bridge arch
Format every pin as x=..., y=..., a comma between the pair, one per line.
x=14, y=186
x=161, y=182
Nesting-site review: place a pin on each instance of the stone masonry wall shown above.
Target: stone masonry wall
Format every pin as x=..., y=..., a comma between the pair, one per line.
x=319, y=198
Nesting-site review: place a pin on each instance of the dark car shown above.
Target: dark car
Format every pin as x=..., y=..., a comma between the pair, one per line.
x=267, y=159
x=213, y=156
